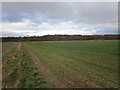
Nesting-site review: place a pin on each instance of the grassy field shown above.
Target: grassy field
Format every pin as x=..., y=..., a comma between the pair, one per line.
x=81, y=64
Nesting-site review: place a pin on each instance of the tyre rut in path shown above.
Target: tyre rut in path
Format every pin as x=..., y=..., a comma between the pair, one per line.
x=51, y=79
x=11, y=55
x=8, y=58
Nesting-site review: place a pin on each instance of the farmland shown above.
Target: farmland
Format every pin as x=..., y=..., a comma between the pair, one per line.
x=76, y=64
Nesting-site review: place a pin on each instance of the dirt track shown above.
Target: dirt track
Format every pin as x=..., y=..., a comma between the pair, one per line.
x=51, y=79
x=9, y=57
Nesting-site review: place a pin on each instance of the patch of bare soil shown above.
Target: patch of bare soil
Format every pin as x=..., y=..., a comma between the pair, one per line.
x=48, y=75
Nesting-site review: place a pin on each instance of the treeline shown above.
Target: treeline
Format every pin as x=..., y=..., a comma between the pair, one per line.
x=61, y=38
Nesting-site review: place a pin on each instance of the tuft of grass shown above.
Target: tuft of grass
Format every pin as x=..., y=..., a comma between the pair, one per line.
x=11, y=77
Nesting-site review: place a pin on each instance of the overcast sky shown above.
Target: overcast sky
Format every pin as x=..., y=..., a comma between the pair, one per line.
x=43, y=18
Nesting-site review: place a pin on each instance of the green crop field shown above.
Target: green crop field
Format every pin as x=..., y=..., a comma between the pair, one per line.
x=82, y=64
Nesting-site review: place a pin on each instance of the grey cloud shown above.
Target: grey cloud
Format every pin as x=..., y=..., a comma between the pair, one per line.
x=88, y=12
x=100, y=17
x=12, y=34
